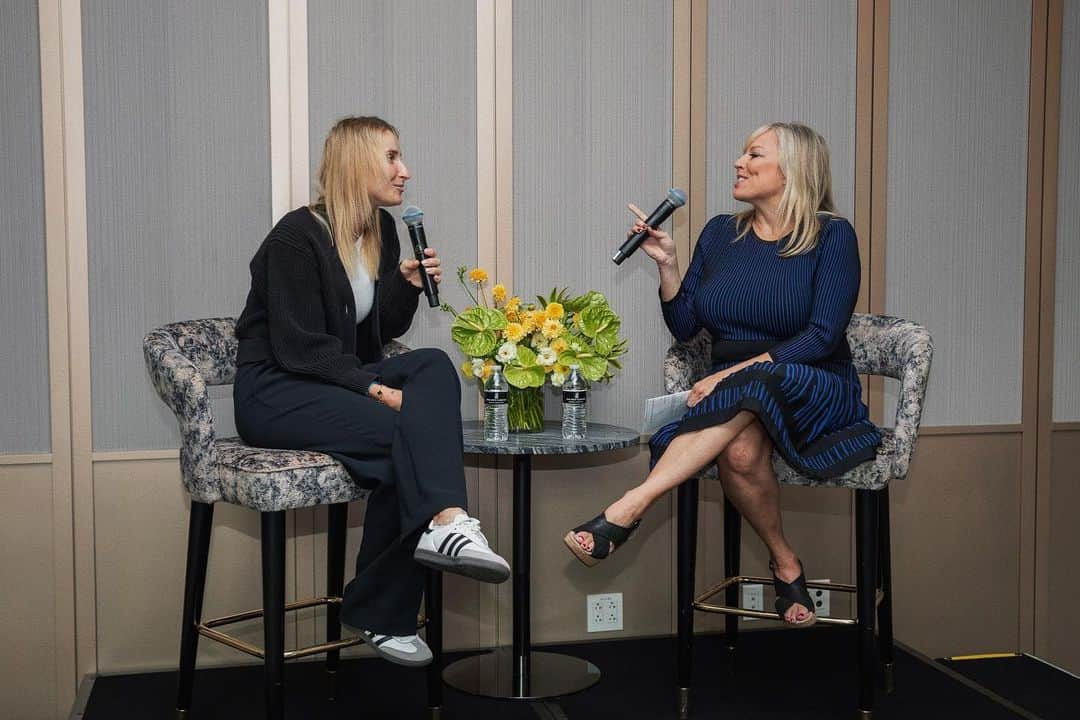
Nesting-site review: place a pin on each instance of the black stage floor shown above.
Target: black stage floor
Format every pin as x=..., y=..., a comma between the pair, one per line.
x=1048, y=692
x=778, y=674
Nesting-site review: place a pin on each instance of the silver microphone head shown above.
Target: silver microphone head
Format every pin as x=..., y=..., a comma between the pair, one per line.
x=413, y=215
x=676, y=197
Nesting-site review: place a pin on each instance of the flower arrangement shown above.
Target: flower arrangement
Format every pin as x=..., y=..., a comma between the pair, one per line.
x=536, y=343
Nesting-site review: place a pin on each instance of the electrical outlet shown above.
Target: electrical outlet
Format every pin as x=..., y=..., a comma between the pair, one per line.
x=603, y=612
x=753, y=598
x=821, y=599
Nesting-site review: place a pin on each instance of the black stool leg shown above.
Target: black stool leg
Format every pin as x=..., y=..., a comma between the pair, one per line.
x=732, y=551
x=866, y=516
x=198, y=551
x=273, y=573
x=687, y=555
x=884, y=612
x=337, y=519
x=433, y=635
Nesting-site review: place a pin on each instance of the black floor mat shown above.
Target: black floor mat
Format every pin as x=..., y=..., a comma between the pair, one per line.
x=1042, y=689
x=778, y=674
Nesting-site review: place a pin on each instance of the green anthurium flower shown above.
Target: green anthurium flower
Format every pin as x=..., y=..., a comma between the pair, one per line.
x=475, y=330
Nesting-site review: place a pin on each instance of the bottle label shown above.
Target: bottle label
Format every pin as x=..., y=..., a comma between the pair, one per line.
x=574, y=397
x=495, y=397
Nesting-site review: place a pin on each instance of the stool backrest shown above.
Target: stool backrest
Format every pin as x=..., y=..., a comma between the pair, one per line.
x=880, y=345
x=183, y=359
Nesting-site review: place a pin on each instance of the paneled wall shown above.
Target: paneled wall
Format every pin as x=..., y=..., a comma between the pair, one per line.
x=177, y=187
x=958, y=90
x=527, y=127
x=24, y=382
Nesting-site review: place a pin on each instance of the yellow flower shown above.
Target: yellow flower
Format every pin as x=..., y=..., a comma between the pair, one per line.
x=511, y=315
x=498, y=293
x=513, y=303
x=553, y=329
x=559, y=345
x=478, y=275
x=466, y=368
x=554, y=311
x=514, y=332
x=528, y=320
x=487, y=369
x=564, y=369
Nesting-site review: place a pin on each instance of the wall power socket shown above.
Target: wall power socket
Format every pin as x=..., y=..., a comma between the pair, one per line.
x=603, y=612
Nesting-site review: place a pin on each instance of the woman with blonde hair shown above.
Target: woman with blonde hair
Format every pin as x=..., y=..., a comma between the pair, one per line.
x=775, y=286
x=328, y=291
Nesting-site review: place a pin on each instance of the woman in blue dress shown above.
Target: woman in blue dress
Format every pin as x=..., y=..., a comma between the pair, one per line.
x=775, y=286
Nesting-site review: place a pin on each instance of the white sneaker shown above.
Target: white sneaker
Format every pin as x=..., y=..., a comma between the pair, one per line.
x=459, y=547
x=407, y=650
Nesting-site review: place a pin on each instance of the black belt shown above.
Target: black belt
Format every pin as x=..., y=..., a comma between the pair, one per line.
x=739, y=350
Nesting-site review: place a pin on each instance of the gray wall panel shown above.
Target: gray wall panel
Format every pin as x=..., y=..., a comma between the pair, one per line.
x=592, y=131
x=1067, y=279
x=178, y=186
x=24, y=351
x=958, y=88
x=413, y=64
x=780, y=61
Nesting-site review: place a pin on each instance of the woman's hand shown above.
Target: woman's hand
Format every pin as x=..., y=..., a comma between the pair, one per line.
x=658, y=245
x=704, y=387
x=388, y=396
x=410, y=269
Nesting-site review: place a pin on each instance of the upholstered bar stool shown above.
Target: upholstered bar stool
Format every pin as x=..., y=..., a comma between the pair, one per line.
x=880, y=345
x=183, y=359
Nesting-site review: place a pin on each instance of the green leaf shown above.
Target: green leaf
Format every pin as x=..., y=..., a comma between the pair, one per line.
x=523, y=377
x=475, y=330
x=526, y=358
x=596, y=318
x=592, y=367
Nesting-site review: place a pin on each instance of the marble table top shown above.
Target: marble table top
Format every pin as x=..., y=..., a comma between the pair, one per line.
x=549, y=442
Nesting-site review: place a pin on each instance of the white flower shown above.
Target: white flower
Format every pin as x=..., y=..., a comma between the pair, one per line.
x=557, y=379
x=539, y=342
x=507, y=352
x=546, y=357
x=478, y=367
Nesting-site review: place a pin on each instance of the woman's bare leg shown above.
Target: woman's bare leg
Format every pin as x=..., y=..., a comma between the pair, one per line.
x=684, y=457
x=748, y=480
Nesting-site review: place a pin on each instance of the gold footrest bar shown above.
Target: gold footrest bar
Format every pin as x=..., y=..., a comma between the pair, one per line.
x=206, y=629
x=700, y=602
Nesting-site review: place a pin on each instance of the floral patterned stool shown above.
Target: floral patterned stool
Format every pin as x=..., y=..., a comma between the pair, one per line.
x=183, y=359
x=880, y=345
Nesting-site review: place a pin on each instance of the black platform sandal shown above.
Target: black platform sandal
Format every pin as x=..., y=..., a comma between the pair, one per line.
x=793, y=593
x=606, y=537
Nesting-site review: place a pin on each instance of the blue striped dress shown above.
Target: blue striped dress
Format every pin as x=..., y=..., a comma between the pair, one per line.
x=751, y=301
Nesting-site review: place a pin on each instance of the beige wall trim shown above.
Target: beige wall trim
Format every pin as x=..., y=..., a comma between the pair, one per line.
x=489, y=115
x=277, y=25
x=299, y=155
x=52, y=138
x=699, y=122
x=26, y=459
x=1047, y=270
x=82, y=476
x=879, y=178
x=1029, y=412
x=864, y=135
x=102, y=456
x=970, y=429
x=1065, y=427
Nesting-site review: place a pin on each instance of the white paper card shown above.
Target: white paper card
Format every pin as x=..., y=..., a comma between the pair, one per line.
x=659, y=411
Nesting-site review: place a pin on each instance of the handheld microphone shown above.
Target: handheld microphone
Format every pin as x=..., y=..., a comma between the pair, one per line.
x=676, y=198
x=413, y=217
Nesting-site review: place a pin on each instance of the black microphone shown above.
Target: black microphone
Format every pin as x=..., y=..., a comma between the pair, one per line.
x=676, y=198
x=413, y=217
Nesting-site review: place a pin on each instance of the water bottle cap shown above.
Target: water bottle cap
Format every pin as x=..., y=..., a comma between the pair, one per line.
x=496, y=367
x=575, y=366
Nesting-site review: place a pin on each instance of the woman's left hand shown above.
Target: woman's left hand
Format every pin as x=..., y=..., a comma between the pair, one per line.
x=410, y=269
x=704, y=387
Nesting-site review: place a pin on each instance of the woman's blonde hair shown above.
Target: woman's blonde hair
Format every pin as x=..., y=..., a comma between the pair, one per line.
x=349, y=164
x=804, y=161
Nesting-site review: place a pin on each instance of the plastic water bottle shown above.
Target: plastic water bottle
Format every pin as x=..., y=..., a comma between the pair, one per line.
x=574, y=405
x=496, y=395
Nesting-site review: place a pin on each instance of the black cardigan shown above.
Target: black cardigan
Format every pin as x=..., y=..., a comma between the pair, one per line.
x=300, y=311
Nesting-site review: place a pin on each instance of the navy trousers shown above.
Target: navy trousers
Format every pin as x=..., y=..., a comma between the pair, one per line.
x=412, y=460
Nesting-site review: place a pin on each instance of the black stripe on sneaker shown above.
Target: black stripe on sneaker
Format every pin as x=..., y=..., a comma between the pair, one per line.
x=450, y=537
x=461, y=546
x=380, y=639
x=453, y=544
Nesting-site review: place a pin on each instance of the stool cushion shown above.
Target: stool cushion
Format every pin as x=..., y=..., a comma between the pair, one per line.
x=268, y=480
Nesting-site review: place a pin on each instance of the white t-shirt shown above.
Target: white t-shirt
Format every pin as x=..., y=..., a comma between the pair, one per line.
x=363, y=288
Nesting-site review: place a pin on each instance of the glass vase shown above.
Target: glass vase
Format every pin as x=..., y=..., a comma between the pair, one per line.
x=525, y=412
